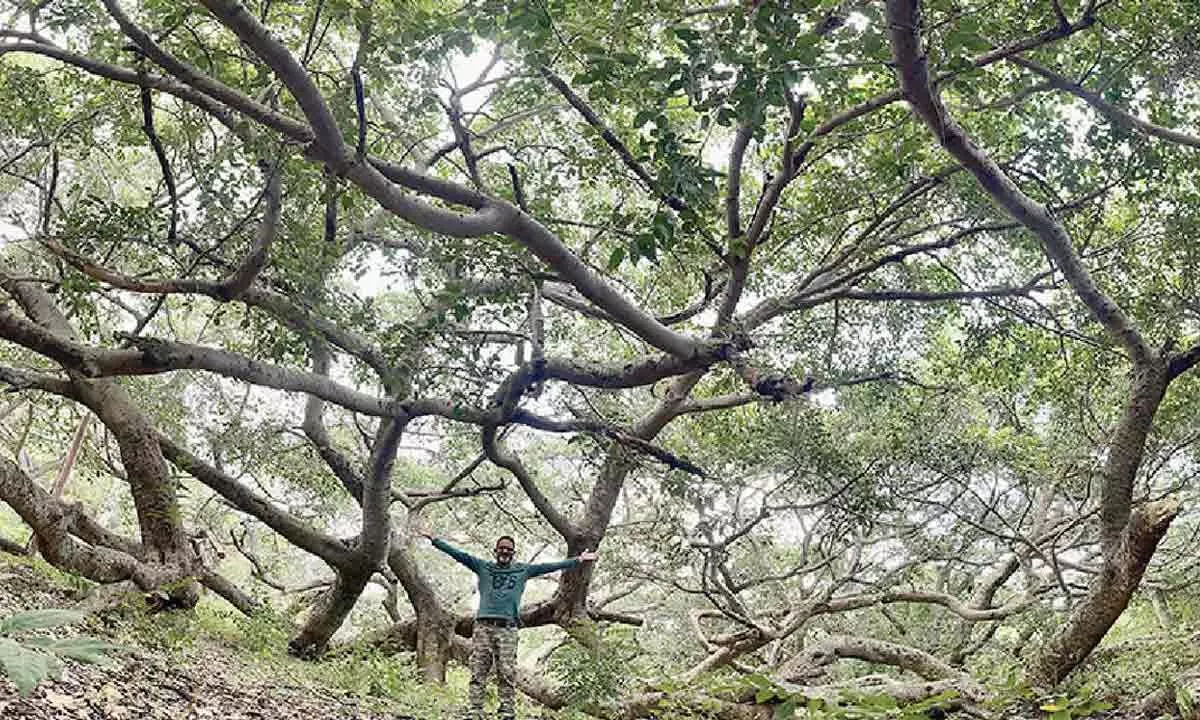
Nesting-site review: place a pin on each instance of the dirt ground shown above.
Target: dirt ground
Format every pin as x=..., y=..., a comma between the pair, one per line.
x=207, y=683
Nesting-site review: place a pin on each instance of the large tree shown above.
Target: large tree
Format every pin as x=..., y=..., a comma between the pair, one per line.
x=659, y=228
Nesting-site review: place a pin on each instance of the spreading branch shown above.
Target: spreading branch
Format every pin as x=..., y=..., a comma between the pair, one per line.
x=1116, y=115
x=611, y=140
x=912, y=67
x=240, y=280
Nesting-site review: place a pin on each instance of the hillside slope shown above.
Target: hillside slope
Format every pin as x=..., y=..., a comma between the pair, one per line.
x=171, y=667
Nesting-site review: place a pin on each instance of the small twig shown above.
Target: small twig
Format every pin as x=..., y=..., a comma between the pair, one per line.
x=613, y=141
x=517, y=187
x=360, y=108
x=163, y=162
x=51, y=188
x=306, y=56
x=364, y=41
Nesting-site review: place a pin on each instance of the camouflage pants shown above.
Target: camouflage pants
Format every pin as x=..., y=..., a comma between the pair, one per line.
x=491, y=645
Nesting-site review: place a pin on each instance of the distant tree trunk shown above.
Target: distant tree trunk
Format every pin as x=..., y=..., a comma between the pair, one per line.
x=434, y=625
x=1162, y=610
x=989, y=583
x=64, y=473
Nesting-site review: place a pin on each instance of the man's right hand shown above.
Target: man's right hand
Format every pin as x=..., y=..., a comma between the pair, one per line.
x=419, y=528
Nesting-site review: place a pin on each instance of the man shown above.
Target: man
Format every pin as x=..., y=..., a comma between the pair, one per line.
x=494, y=638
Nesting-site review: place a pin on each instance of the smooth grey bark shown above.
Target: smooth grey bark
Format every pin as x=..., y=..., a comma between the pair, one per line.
x=55, y=522
x=372, y=549
x=1128, y=537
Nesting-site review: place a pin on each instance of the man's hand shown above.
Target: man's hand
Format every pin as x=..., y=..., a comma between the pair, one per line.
x=419, y=528
x=587, y=556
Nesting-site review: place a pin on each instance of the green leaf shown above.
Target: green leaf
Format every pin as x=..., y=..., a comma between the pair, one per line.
x=763, y=695
x=24, y=666
x=786, y=709
x=643, y=117
x=760, y=681
x=35, y=619
x=616, y=258
x=645, y=246
x=1184, y=700
x=84, y=649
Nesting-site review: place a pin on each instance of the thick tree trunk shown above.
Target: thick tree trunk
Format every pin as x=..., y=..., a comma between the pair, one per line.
x=154, y=493
x=435, y=637
x=61, y=530
x=373, y=547
x=1127, y=448
x=434, y=627
x=164, y=540
x=570, y=600
x=1108, y=595
x=1128, y=537
x=329, y=613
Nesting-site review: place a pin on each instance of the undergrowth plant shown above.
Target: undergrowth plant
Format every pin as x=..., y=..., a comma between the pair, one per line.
x=848, y=705
x=27, y=661
x=595, y=674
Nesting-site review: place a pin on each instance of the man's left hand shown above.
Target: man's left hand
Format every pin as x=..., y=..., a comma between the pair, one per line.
x=587, y=556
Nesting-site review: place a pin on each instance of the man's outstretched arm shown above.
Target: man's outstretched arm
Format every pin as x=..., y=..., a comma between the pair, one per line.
x=544, y=568
x=470, y=561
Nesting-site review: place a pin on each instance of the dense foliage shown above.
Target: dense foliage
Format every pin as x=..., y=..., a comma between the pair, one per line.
x=857, y=336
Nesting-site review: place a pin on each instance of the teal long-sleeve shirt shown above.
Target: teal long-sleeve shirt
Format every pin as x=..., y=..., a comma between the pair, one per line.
x=500, y=586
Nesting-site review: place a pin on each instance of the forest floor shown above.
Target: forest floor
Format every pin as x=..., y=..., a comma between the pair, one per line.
x=212, y=664
x=172, y=668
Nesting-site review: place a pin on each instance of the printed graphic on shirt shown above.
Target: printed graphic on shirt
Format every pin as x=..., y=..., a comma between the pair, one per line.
x=504, y=581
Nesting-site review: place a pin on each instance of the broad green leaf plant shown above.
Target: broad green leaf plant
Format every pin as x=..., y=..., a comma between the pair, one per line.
x=27, y=661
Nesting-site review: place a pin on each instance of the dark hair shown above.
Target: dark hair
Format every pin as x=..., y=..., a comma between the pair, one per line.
x=509, y=538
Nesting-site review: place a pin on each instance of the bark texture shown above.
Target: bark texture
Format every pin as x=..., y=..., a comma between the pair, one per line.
x=164, y=540
x=56, y=525
x=1108, y=595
